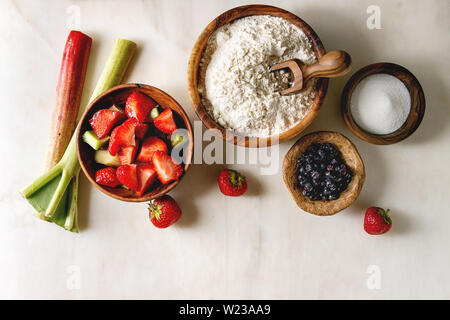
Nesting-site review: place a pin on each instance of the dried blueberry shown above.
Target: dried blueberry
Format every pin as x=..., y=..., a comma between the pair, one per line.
x=322, y=173
x=315, y=175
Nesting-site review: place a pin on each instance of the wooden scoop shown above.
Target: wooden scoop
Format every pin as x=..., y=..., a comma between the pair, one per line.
x=331, y=65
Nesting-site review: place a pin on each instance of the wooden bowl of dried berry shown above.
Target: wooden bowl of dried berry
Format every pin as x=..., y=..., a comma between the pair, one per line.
x=324, y=172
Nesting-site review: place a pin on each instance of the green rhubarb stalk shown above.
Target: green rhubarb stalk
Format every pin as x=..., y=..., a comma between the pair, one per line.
x=91, y=139
x=68, y=97
x=55, y=193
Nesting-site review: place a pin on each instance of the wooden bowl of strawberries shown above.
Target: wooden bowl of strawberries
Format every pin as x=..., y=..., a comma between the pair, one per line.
x=135, y=142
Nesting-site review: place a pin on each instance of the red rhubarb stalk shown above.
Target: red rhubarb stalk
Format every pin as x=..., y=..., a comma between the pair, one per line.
x=68, y=95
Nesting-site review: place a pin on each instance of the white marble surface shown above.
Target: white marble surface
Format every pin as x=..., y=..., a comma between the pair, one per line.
x=257, y=246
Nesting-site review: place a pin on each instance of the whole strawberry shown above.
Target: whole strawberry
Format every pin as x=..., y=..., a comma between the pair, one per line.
x=377, y=221
x=164, y=211
x=232, y=183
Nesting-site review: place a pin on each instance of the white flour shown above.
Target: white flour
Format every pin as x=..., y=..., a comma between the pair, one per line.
x=236, y=86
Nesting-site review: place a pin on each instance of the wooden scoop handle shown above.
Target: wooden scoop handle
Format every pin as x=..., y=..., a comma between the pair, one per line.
x=331, y=65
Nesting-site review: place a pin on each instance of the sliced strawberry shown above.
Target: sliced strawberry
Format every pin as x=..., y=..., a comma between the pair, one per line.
x=112, y=145
x=166, y=168
x=141, y=130
x=122, y=136
x=127, y=176
x=103, y=121
x=107, y=177
x=149, y=147
x=165, y=121
x=127, y=154
x=146, y=175
x=138, y=106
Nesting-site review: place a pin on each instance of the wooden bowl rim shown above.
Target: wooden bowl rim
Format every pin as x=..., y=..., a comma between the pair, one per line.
x=193, y=72
x=290, y=167
x=190, y=149
x=417, y=108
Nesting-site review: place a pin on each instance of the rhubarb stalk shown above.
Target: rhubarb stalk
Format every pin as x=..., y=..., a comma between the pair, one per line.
x=68, y=95
x=54, y=194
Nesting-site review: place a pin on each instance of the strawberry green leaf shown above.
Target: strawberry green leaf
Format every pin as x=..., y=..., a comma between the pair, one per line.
x=236, y=179
x=156, y=210
x=385, y=215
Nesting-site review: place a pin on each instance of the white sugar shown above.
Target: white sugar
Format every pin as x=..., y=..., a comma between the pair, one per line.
x=380, y=104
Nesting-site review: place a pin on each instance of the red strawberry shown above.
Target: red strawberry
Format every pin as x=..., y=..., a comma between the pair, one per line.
x=138, y=106
x=103, y=121
x=149, y=147
x=146, y=175
x=377, y=221
x=165, y=122
x=166, y=168
x=127, y=176
x=107, y=177
x=141, y=130
x=122, y=136
x=127, y=154
x=111, y=144
x=232, y=183
x=164, y=211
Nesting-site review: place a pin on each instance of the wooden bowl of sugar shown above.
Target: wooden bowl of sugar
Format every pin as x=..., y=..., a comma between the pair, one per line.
x=383, y=103
x=195, y=77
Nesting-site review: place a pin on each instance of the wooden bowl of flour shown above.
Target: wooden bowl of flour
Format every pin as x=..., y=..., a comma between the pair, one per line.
x=194, y=75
